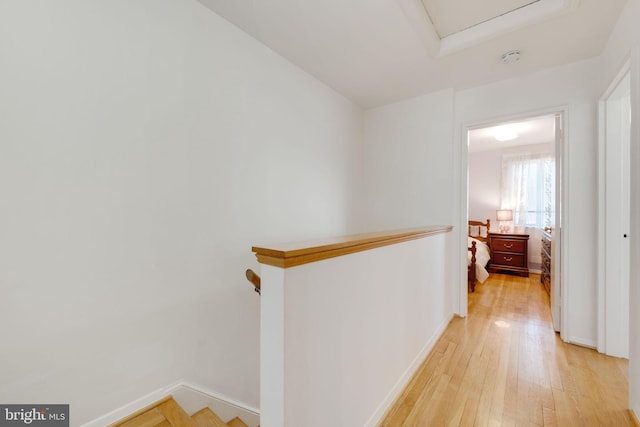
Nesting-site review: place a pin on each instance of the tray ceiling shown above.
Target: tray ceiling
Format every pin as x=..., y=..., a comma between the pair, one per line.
x=452, y=16
x=377, y=52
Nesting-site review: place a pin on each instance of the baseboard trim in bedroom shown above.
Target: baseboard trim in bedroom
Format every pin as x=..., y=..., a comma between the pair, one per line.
x=403, y=381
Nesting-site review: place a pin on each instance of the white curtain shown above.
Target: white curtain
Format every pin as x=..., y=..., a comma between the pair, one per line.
x=528, y=188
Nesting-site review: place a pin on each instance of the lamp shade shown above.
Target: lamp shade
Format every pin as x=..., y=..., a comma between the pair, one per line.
x=504, y=215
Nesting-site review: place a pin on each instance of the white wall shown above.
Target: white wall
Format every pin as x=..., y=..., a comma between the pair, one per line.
x=350, y=331
x=623, y=39
x=144, y=147
x=485, y=176
x=408, y=157
x=624, y=44
x=576, y=87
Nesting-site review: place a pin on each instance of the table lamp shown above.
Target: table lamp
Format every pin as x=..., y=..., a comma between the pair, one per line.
x=505, y=216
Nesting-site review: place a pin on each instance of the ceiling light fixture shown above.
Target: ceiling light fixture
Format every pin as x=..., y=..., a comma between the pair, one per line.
x=506, y=136
x=511, y=56
x=504, y=133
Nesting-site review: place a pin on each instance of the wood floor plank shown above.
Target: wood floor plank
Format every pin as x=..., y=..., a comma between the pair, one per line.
x=504, y=365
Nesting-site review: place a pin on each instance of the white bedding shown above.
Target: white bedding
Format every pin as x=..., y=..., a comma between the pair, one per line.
x=482, y=258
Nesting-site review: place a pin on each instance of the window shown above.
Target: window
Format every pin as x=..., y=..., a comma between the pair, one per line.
x=528, y=188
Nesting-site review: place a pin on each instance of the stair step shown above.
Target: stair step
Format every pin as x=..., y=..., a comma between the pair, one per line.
x=168, y=413
x=207, y=418
x=237, y=422
x=174, y=413
x=150, y=418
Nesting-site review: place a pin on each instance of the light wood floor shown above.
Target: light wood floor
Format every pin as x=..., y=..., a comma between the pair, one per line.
x=504, y=365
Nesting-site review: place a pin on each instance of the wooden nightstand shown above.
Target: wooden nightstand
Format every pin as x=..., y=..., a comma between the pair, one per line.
x=509, y=253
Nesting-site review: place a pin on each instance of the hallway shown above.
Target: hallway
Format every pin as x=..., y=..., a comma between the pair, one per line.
x=505, y=366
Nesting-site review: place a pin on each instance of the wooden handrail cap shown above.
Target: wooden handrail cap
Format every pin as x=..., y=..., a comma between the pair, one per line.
x=292, y=254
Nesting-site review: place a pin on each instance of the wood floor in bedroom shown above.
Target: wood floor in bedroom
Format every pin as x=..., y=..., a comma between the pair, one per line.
x=504, y=365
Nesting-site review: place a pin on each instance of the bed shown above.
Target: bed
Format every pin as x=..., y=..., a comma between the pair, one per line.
x=478, y=253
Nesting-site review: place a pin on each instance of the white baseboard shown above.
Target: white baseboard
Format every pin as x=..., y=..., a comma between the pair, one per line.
x=403, y=381
x=192, y=398
x=583, y=342
x=130, y=408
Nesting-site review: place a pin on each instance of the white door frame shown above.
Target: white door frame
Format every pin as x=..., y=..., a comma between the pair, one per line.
x=613, y=338
x=561, y=211
x=634, y=274
x=555, y=299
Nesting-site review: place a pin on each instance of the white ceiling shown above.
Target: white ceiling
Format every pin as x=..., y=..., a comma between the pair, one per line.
x=537, y=130
x=377, y=52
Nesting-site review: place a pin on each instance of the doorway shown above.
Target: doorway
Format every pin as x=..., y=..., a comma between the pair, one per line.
x=516, y=165
x=614, y=218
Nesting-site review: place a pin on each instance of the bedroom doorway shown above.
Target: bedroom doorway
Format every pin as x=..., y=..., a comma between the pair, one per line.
x=516, y=166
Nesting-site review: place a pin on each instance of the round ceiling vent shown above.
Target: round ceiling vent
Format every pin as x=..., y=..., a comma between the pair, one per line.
x=511, y=56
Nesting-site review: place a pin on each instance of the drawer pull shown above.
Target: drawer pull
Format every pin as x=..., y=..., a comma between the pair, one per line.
x=508, y=246
x=508, y=259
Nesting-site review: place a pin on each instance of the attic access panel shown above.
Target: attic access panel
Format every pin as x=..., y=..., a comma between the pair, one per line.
x=453, y=16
